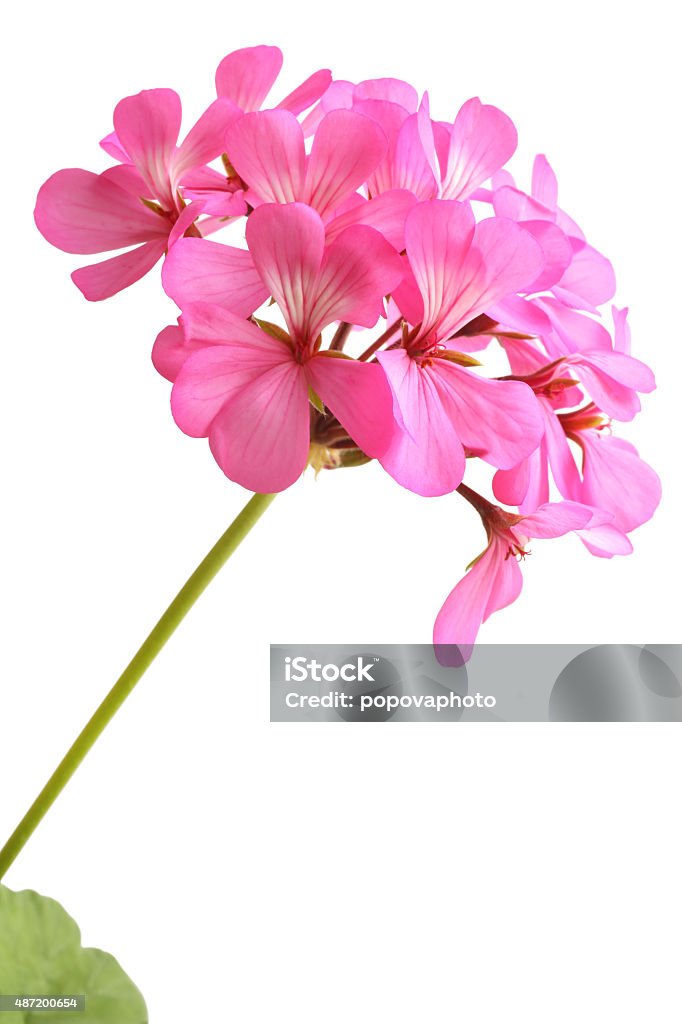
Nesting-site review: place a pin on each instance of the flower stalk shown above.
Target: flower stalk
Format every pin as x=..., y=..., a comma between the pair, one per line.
x=125, y=684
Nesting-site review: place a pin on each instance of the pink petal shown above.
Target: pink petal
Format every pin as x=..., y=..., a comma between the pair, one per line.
x=564, y=469
x=461, y=615
x=481, y=195
x=308, y=92
x=617, y=480
x=621, y=330
x=312, y=119
x=575, y=331
x=209, y=225
x=346, y=149
x=605, y=541
x=128, y=178
x=511, y=202
x=287, y=244
x=523, y=355
x=198, y=270
x=412, y=167
x=612, y=380
x=338, y=96
x=232, y=353
x=483, y=139
x=538, y=485
x=556, y=249
x=493, y=582
x=425, y=454
x=555, y=519
x=268, y=152
x=221, y=197
x=461, y=274
x=504, y=259
x=261, y=437
x=147, y=126
x=499, y=420
x=111, y=145
x=442, y=134
x=171, y=351
x=624, y=369
x=392, y=89
x=358, y=395
x=407, y=296
x=246, y=76
x=438, y=236
x=389, y=117
x=385, y=213
x=522, y=315
x=510, y=486
x=206, y=140
x=359, y=268
x=568, y=225
x=81, y=212
x=428, y=131
x=544, y=186
x=204, y=178
x=185, y=221
x=205, y=323
x=507, y=582
x=102, y=280
x=502, y=179
x=526, y=485
x=589, y=279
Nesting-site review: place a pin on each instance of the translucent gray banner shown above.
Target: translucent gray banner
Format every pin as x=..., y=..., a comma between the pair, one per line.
x=498, y=683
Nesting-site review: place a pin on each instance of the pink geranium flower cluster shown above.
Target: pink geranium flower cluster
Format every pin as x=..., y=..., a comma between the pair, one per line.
x=357, y=207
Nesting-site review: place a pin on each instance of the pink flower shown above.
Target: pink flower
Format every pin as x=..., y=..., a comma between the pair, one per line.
x=342, y=95
x=137, y=203
x=199, y=270
x=478, y=144
x=460, y=268
x=494, y=579
x=267, y=150
x=373, y=215
x=588, y=280
x=246, y=77
x=409, y=161
x=614, y=478
x=429, y=158
x=249, y=391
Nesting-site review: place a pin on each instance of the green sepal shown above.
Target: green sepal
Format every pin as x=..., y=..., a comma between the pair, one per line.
x=274, y=330
x=353, y=457
x=316, y=401
x=461, y=358
x=333, y=353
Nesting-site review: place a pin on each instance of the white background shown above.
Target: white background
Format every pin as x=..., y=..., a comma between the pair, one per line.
x=319, y=874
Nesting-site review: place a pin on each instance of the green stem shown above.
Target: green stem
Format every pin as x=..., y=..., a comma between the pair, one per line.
x=162, y=631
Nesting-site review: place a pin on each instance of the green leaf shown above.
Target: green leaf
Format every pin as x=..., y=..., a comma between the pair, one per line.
x=41, y=955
